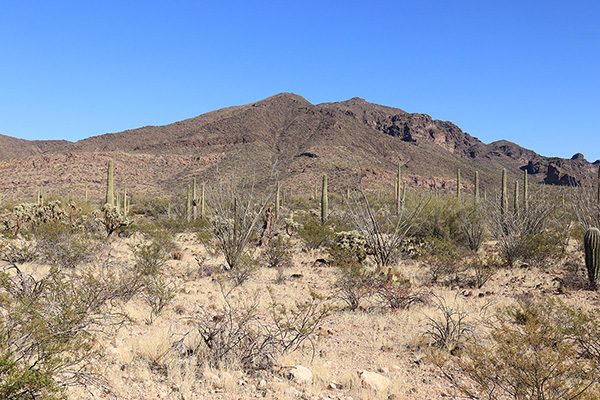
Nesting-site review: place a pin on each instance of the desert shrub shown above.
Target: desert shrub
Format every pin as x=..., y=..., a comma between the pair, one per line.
x=473, y=219
x=158, y=292
x=313, y=232
x=61, y=245
x=278, y=253
x=233, y=222
x=539, y=248
x=449, y=329
x=440, y=219
x=238, y=335
x=516, y=231
x=150, y=258
x=354, y=283
x=447, y=262
x=47, y=329
x=483, y=268
x=529, y=355
x=395, y=292
x=383, y=231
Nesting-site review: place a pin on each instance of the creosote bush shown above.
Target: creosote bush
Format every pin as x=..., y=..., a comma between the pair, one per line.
x=537, y=350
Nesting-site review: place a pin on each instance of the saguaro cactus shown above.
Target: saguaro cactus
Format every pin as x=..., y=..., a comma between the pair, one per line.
x=324, y=200
x=591, y=244
x=110, y=197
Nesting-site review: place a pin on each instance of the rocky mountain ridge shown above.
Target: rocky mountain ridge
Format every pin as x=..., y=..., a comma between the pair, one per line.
x=282, y=137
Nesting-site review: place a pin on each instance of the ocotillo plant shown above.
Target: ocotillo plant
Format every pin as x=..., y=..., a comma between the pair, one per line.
x=110, y=197
x=591, y=244
x=324, y=200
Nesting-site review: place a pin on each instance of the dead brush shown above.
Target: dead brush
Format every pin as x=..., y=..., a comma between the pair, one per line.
x=238, y=334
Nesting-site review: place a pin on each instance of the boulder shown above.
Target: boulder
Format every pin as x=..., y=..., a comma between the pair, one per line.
x=374, y=381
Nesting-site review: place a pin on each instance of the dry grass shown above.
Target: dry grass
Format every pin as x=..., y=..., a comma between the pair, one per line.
x=140, y=362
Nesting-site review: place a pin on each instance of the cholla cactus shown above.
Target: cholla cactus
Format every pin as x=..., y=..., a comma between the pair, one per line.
x=111, y=218
x=354, y=243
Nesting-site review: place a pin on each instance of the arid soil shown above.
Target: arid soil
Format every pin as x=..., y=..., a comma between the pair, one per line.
x=139, y=361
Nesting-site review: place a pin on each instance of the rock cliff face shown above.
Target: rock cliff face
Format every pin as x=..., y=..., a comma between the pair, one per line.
x=283, y=135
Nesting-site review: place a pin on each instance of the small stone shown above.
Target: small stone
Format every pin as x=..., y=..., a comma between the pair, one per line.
x=396, y=368
x=262, y=384
x=373, y=380
x=299, y=374
x=292, y=391
x=383, y=370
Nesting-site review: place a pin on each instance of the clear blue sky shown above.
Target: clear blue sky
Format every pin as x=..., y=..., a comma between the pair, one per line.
x=525, y=71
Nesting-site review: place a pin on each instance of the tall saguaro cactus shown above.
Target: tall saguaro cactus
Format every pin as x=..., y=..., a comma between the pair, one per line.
x=591, y=244
x=324, y=200
x=110, y=197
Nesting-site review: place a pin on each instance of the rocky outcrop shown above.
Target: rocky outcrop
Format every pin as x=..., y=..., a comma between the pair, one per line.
x=557, y=176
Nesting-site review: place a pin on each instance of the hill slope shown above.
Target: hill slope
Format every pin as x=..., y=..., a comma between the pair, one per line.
x=283, y=136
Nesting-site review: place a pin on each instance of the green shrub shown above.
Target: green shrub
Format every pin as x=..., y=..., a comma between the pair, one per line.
x=531, y=353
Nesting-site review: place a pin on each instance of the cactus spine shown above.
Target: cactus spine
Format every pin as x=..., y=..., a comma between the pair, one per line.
x=458, y=184
x=591, y=243
x=503, y=196
x=324, y=200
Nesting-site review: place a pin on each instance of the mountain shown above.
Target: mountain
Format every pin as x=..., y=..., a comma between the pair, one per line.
x=282, y=137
